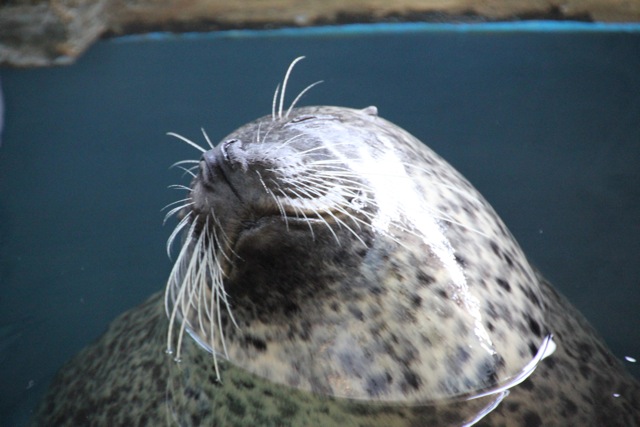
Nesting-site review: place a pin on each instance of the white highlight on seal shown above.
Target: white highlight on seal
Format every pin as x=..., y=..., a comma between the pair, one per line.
x=400, y=204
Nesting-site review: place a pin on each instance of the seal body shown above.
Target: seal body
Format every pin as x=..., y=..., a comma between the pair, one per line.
x=336, y=271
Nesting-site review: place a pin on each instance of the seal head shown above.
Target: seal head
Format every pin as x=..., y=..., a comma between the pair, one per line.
x=329, y=250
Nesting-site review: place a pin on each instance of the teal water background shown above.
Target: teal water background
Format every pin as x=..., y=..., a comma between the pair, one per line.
x=543, y=118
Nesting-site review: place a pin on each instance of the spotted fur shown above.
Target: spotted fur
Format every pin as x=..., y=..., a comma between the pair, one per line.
x=336, y=271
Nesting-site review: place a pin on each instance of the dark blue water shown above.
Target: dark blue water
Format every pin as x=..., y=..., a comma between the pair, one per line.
x=544, y=121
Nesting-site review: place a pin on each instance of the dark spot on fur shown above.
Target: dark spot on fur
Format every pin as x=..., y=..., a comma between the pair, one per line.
x=533, y=349
x=425, y=279
x=461, y=260
x=462, y=355
x=411, y=379
x=527, y=385
x=532, y=419
x=534, y=326
x=190, y=393
x=378, y=384
x=290, y=308
x=585, y=370
x=196, y=419
x=585, y=351
x=494, y=248
x=508, y=259
x=376, y=290
x=258, y=343
x=356, y=312
x=243, y=383
x=305, y=333
x=416, y=301
x=235, y=405
x=503, y=284
x=490, y=327
x=550, y=362
x=487, y=370
x=569, y=407
x=287, y=408
x=531, y=296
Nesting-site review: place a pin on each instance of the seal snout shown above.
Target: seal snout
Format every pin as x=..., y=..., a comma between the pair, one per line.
x=210, y=166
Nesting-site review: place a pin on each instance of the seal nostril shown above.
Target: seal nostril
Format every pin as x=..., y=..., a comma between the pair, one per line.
x=225, y=146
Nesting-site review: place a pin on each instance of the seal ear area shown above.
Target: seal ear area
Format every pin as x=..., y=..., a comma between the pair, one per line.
x=371, y=110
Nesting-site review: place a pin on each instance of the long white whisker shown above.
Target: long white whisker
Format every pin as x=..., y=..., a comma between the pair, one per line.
x=268, y=152
x=182, y=162
x=206, y=137
x=273, y=103
x=183, y=222
x=188, y=141
x=293, y=104
x=284, y=84
x=177, y=201
x=174, y=211
x=170, y=296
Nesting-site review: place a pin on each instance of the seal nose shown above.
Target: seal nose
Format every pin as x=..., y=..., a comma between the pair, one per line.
x=210, y=166
x=224, y=159
x=211, y=158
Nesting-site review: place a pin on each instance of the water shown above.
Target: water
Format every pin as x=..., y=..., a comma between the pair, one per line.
x=543, y=119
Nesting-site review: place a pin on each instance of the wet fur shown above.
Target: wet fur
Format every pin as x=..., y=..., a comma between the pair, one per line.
x=125, y=378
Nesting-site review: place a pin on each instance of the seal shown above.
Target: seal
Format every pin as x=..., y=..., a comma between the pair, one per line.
x=335, y=270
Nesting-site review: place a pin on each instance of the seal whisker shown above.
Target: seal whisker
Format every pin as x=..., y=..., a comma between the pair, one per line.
x=224, y=239
x=325, y=222
x=182, y=162
x=266, y=135
x=320, y=180
x=284, y=84
x=183, y=222
x=344, y=209
x=171, y=298
x=177, y=201
x=305, y=90
x=274, y=103
x=307, y=220
x=269, y=152
x=174, y=211
x=179, y=187
x=332, y=215
x=188, y=141
x=283, y=213
x=258, y=133
x=341, y=223
x=317, y=214
x=201, y=300
x=303, y=153
x=206, y=137
x=189, y=171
